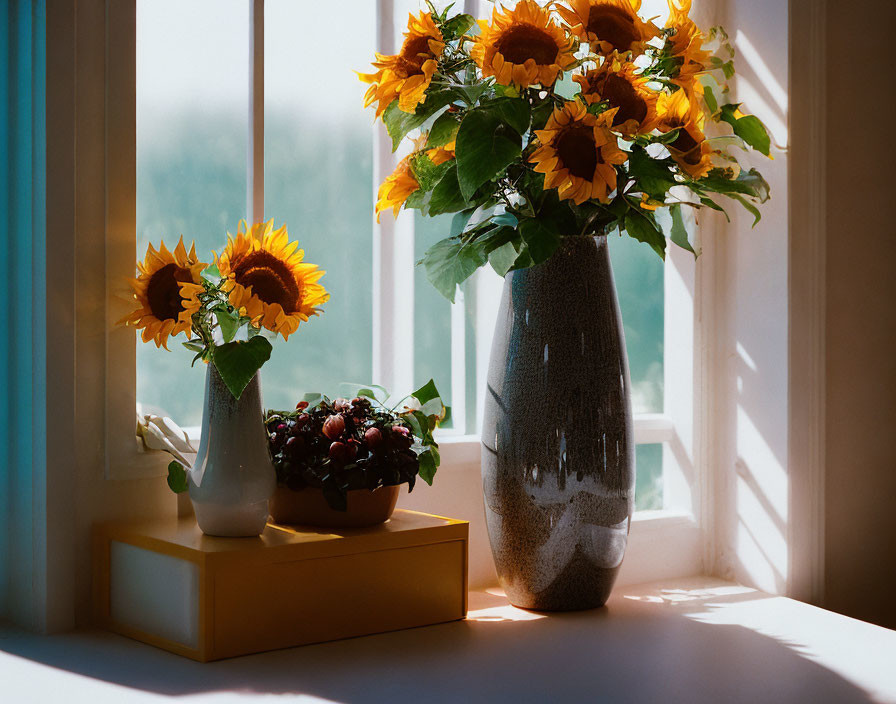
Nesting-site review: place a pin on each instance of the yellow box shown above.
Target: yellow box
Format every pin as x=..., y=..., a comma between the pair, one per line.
x=167, y=584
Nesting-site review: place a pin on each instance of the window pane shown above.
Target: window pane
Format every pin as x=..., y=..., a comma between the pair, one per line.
x=319, y=181
x=649, y=477
x=639, y=283
x=192, y=125
x=432, y=315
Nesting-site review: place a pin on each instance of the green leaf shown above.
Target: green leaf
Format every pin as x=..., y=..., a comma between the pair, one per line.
x=652, y=176
x=446, y=196
x=510, y=256
x=194, y=347
x=457, y=26
x=452, y=261
x=505, y=219
x=643, y=229
x=399, y=123
x=756, y=185
x=427, y=392
x=177, y=478
x=427, y=173
x=748, y=183
x=710, y=203
x=541, y=113
x=752, y=209
x=418, y=200
x=211, y=274
x=350, y=389
x=238, y=362
x=503, y=258
x=460, y=220
x=513, y=111
x=486, y=146
x=749, y=128
x=442, y=130
x=541, y=238
x=679, y=233
x=710, y=98
x=428, y=465
x=449, y=263
x=229, y=324
x=313, y=399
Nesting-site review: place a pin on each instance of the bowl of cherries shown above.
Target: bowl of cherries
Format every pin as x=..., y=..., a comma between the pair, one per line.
x=340, y=463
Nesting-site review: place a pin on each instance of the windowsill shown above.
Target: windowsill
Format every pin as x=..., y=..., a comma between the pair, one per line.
x=691, y=640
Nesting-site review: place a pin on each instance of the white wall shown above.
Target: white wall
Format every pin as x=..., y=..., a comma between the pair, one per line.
x=749, y=332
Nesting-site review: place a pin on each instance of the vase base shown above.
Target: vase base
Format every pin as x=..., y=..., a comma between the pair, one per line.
x=224, y=521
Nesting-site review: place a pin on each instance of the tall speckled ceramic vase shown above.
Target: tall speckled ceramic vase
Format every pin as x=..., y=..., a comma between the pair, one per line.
x=233, y=477
x=557, y=436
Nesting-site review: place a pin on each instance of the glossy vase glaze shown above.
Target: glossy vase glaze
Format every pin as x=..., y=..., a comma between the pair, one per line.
x=557, y=438
x=233, y=477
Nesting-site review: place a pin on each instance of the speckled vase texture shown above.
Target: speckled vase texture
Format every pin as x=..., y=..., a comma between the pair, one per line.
x=557, y=437
x=233, y=477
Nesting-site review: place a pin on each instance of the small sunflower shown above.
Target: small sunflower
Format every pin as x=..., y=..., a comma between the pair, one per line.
x=578, y=153
x=622, y=88
x=397, y=187
x=159, y=292
x=609, y=25
x=689, y=149
x=440, y=155
x=406, y=76
x=266, y=278
x=523, y=46
x=686, y=46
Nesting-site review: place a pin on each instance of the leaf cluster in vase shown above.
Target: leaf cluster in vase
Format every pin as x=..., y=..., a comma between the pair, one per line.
x=362, y=443
x=259, y=283
x=524, y=157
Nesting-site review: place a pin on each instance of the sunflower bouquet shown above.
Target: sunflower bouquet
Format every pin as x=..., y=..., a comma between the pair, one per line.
x=569, y=118
x=259, y=282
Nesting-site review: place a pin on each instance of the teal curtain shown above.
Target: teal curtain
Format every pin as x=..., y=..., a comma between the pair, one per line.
x=23, y=303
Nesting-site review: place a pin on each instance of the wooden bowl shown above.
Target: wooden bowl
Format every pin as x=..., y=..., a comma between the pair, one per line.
x=308, y=507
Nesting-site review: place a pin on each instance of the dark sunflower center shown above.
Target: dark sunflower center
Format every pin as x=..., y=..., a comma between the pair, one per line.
x=684, y=142
x=575, y=147
x=613, y=25
x=522, y=42
x=413, y=55
x=622, y=94
x=163, y=292
x=270, y=278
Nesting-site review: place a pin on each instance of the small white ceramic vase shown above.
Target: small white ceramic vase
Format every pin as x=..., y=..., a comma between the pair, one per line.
x=233, y=477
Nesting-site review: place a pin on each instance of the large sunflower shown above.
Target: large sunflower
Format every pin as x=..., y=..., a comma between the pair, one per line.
x=680, y=111
x=609, y=25
x=623, y=88
x=523, y=46
x=394, y=191
x=686, y=46
x=406, y=76
x=158, y=289
x=578, y=153
x=267, y=279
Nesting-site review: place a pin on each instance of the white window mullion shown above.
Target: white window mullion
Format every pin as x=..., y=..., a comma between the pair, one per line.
x=393, y=255
x=255, y=156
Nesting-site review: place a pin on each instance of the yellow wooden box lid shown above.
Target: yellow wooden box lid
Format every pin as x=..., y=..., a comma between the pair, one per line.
x=182, y=537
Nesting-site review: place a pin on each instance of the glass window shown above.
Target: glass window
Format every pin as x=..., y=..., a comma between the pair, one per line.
x=192, y=137
x=192, y=126
x=319, y=181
